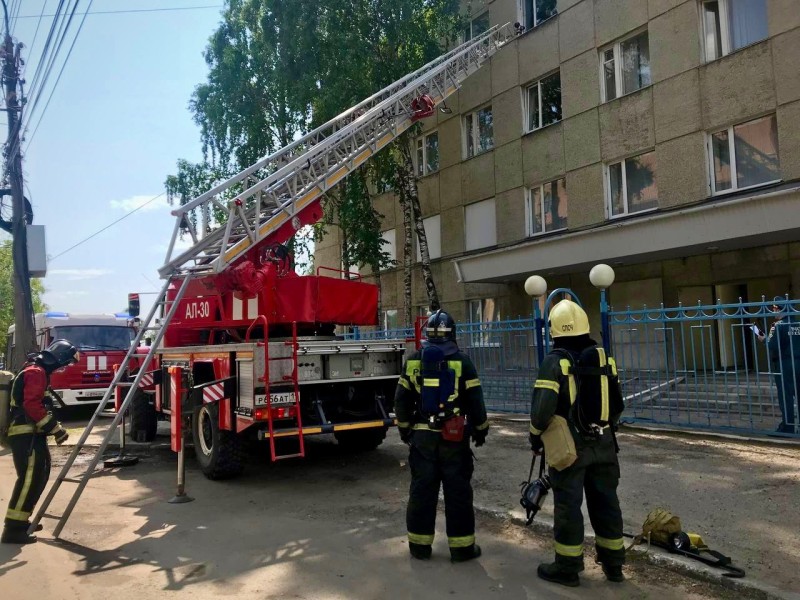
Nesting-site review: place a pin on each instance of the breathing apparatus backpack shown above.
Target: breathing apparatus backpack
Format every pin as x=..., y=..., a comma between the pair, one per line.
x=438, y=384
x=597, y=401
x=6, y=378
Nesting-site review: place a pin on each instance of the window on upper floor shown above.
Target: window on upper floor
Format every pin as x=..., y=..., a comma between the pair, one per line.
x=476, y=26
x=543, y=103
x=547, y=207
x=631, y=185
x=433, y=235
x=625, y=66
x=744, y=155
x=732, y=24
x=427, y=156
x=480, y=225
x=536, y=12
x=478, y=132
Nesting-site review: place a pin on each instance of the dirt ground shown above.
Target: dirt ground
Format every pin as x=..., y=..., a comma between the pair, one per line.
x=332, y=526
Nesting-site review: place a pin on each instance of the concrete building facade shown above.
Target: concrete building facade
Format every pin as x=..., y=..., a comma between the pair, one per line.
x=661, y=137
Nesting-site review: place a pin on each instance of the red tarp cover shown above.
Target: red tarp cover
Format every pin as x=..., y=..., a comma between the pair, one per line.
x=312, y=299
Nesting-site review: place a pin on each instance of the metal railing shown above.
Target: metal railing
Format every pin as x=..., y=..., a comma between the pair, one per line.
x=694, y=367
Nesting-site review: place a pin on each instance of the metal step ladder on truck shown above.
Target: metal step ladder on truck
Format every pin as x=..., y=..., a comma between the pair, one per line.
x=245, y=346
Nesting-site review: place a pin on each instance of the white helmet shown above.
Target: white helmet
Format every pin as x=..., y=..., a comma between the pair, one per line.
x=568, y=319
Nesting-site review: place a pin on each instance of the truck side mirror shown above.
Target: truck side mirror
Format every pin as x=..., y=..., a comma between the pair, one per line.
x=133, y=305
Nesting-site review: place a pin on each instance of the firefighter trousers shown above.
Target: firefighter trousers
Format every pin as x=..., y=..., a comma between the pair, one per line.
x=435, y=462
x=32, y=463
x=595, y=472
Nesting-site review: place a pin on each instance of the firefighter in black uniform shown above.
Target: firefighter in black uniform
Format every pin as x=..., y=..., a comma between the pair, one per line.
x=439, y=407
x=30, y=424
x=596, y=469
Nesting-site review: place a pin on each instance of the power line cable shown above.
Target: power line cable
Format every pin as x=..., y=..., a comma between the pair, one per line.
x=138, y=10
x=38, y=24
x=96, y=233
x=58, y=79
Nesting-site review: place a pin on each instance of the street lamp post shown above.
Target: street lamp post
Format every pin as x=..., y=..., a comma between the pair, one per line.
x=602, y=276
x=536, y=287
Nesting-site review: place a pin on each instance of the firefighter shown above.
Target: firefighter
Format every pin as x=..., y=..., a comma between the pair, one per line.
x=595, y=469
x=30, y=424
x=439, y=407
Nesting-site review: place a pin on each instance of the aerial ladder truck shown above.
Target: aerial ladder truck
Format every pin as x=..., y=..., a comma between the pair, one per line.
x=245, y=346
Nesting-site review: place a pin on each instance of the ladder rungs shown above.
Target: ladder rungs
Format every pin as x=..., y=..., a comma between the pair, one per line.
x=282, y=456
x=70, y=480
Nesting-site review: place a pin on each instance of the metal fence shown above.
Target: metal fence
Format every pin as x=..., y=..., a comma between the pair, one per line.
x=705, y=367
x=695, y=367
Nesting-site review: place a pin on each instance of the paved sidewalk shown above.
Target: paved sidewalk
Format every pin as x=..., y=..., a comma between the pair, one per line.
x=741, y=496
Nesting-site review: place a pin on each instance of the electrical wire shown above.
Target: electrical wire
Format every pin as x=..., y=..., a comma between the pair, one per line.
x=36, y=33
x=138, y=10
x=98, y=232
x=58, y=79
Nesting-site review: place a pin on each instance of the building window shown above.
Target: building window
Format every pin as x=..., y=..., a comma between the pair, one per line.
x=480, y=225
x=732, y=24
x=536, y=12
x=625, y=67
x=543, y=102
x=745, y=155
x=476, y=26
x=427, y=154
x=631, y=185
x=390, y=319
x=547, y=207
x=482, y=313
x=478, y=132
x=433, y=233
x=389, y=243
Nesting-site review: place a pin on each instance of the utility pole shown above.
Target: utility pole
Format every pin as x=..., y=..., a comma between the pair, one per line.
x=24, y=335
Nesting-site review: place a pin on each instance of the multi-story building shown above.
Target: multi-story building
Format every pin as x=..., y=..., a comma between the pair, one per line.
x=659, y=136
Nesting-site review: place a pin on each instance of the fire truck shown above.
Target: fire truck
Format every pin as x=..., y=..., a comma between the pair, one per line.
x=103, y=340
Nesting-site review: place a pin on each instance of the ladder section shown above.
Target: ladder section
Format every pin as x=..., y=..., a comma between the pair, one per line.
x=259, y=200
x=295, y=413
x=83, y=479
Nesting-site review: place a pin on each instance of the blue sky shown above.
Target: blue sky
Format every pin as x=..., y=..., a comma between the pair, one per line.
x=114, y=129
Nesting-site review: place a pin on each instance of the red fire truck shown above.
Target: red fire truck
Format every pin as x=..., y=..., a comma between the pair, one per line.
x=103, y=341
x=251, y=353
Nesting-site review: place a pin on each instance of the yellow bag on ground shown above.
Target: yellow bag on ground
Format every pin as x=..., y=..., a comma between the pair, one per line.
x=559, y=445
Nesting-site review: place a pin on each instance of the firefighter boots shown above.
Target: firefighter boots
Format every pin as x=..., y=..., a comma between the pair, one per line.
x=16, y=535
x=554, y=573
x=419, y=551
x=613, y=573
x=465, y=554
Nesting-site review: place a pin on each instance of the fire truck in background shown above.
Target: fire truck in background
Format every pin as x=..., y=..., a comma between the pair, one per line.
x=103, y=341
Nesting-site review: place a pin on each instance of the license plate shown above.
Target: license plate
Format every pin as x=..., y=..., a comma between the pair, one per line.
x=277, y=399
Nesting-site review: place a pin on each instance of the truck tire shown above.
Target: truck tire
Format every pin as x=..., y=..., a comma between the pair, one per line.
x=144, y=419
x=219, y=453
x=360, y=440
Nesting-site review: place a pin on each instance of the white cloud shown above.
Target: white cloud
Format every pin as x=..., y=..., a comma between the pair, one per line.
x=69, y=293
x=79, y=274
x=134, y=202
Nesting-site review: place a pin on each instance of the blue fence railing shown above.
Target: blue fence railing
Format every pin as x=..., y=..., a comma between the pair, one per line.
x=695, y=367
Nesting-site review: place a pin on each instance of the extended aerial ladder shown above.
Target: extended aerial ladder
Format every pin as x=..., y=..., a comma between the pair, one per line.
x=277, y=196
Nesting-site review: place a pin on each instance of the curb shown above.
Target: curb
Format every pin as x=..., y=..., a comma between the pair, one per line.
x=662, y=558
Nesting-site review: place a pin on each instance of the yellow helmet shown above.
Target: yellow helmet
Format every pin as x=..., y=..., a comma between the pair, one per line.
x=568, y=319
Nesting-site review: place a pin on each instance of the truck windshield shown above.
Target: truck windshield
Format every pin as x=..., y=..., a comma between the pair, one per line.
x=96, y=337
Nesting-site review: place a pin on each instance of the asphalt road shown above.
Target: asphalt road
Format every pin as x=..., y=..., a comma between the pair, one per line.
x=330, y=526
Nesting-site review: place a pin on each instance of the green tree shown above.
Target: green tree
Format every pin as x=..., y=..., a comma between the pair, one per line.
x=7, y=291
x=281, y=67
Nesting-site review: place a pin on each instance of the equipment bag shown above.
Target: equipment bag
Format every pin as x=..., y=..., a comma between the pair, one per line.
x=438, y=382
x=597, y=401
x=663, y=529
x=453, y=428
x=559, y=444
x=5, y=406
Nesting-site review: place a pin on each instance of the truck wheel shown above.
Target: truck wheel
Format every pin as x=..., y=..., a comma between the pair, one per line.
x=219, y=452
x=144, y=419
x=360, y=440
